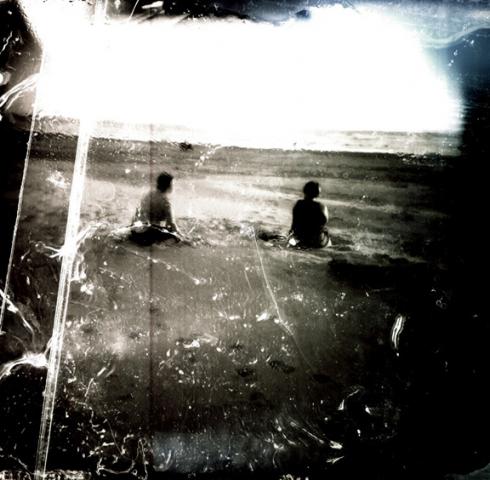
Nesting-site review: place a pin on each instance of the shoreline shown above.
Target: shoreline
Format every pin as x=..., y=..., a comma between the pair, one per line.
x=444, y=144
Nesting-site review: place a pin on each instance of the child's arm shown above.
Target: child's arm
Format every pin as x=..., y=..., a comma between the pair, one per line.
x=293, y=221
x=170, y=222
x=325, y=212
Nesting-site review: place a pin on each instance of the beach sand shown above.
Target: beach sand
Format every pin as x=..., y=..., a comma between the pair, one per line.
x=233, y=354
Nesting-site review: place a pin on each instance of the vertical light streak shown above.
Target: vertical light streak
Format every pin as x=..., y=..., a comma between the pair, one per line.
x=151, y=402
x=28, y=84
x=70, y=249
x=134, y=8
x=284, y=326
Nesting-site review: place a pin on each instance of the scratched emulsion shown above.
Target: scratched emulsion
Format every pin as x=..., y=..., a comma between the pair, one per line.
x=30, y=306
x=233, y=354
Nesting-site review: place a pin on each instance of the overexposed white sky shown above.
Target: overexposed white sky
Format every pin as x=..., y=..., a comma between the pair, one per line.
x=239, y=82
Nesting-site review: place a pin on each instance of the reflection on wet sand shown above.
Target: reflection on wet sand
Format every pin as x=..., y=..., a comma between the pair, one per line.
x=198, y=353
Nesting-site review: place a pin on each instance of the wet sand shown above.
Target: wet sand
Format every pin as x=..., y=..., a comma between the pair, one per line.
x=234, y=354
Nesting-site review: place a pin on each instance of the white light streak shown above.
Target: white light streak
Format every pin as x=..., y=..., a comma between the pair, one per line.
x=37, y=360
x=6, y=99
x=69, y=248
x=396, y=332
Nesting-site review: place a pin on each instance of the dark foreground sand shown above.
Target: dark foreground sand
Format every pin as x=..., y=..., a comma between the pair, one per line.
x=234, y=355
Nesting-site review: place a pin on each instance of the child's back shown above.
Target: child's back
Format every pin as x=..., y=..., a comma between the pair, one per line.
x=310, y=219
x=154, y=209
x=153, y=221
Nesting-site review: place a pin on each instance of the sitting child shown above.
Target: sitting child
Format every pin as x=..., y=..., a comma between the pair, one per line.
x=310, y=218
x=153, y=221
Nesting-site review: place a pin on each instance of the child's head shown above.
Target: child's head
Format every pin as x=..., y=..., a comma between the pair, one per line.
x=164, y=182
x=311, y=189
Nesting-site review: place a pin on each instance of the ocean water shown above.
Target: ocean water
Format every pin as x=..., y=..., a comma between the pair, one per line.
x=411, y=143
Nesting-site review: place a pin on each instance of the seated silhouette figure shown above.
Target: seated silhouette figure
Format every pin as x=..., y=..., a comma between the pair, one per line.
x=310, y=218
x=153, y=221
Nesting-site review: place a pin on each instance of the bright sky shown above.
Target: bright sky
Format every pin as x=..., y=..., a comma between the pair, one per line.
x=235, y=82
